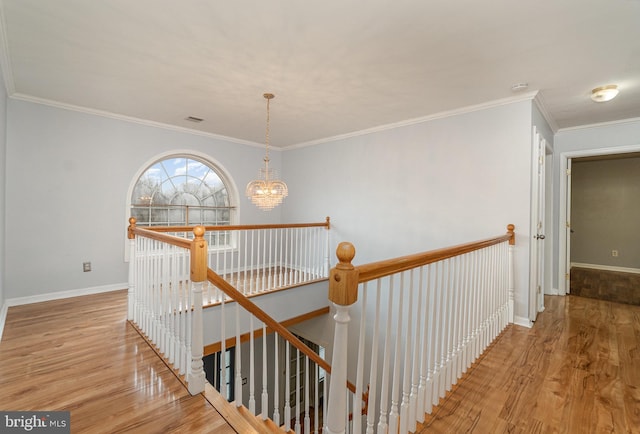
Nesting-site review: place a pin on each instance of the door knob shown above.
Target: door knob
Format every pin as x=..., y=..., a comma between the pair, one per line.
x=539, y=237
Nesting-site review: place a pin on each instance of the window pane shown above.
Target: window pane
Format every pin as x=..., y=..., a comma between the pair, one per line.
x=181, y=191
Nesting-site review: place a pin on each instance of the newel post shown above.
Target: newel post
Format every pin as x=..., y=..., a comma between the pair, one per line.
x=512, y=243
x=343, y=292
x=196, y=378
x=132, y=269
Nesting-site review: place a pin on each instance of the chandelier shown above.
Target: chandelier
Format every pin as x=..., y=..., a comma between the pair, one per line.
x=267, y=192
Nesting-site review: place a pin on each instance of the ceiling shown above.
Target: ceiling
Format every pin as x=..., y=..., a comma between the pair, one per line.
x=336, y=66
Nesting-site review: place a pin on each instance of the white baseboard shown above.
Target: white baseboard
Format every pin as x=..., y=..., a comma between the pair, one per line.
x=552, y=291
x=606, y=268
x=522, y=321
x=64, y=294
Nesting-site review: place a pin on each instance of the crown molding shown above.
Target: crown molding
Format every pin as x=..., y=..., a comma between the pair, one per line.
x=131, y=119
x=600, y=124
x=422, y=119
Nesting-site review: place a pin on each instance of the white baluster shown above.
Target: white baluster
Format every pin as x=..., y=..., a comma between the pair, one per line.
x=298, y=257
x=357, y=397
x=264, y=408
x=373, y=371
x=395, y=385
x=281, y=234
x=197, y=378
x=252, y=374
x=430, y=333
x=253, y=271
x=451, y=346
x=287, y=387
x=276, y=386
x=511, y=286
x=405, y=413
x=298, y=401
x=223, y=349
x=307, y=419
x=417, y=349
x=384, y=392
x=238, y=367
x=325, y=394
x=316, y=400
x=270, y=284
x=265, y=393
x=263, y=261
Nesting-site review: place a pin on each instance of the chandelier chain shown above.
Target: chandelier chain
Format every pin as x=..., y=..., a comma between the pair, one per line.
x=267, y=192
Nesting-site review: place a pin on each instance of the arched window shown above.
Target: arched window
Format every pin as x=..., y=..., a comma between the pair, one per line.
x=181, y=191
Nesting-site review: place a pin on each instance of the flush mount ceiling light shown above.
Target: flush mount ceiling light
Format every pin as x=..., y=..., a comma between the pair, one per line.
x=604, y=93
x=267, y=192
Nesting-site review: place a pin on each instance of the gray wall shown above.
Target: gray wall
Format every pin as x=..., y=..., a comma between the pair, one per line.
x=605, y=212
x=613, y=138
x=392, y=192
x=422, y=186
x=68, y=176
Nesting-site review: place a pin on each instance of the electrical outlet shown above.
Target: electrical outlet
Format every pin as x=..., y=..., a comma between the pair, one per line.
x=614, y=253
x=86, y=266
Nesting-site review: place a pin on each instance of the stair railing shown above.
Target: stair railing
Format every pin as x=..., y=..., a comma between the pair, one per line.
x=301, y=380
x=168, y=277
x=425, y=318
x=261, y=258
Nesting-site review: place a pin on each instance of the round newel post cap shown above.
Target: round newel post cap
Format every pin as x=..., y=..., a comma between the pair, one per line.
x=345, y=253
x=510, y=230
x=132, y=225
x=199, y=231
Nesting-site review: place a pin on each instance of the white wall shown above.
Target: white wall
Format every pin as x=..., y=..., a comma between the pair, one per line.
x=620, y=136
x=68, y=174
x=423, y=186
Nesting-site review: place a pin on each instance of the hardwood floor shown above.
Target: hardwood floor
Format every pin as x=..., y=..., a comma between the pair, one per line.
x=81, y=355
x=576, y=371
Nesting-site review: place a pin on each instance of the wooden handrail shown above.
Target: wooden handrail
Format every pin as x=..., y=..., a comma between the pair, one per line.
x=241, y=299
x=245, y=337
x=134, y=230
x=376, y=270
x=325, y=224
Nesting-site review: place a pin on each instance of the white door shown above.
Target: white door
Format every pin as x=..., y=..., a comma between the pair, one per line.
x=536, y=294
x=567, y=265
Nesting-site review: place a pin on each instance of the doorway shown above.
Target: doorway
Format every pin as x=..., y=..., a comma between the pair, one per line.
x=564, y=221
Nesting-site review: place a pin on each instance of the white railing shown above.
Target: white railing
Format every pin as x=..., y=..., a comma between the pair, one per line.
x=168, y=288
x=287, y=380
x=261, y=258
x=425, y=319
x=166, y=276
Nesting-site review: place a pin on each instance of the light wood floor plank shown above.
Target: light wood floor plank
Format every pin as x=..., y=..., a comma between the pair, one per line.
x=81, y=355
x=576, y=371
